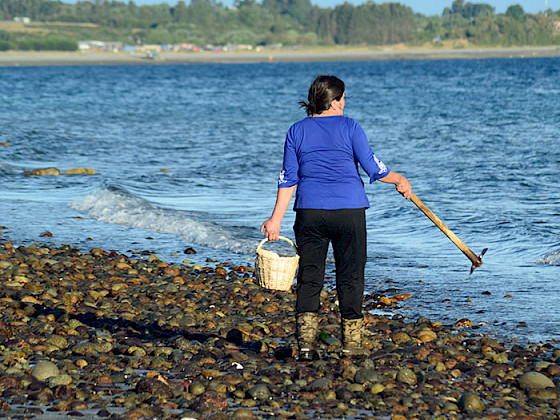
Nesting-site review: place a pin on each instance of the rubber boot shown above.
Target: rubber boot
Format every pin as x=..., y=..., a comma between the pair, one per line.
x=352, y=336
x=307, y=328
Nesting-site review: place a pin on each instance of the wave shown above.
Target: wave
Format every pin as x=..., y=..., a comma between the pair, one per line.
x=115, y=205
x=552, y=258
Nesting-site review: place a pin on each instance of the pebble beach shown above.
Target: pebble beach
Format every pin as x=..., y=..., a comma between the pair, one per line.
x=106, y=334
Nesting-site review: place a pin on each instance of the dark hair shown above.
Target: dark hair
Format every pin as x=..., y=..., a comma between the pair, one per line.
x=322, y=92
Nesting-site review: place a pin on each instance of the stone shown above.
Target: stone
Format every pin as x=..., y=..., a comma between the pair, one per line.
x=535, y=380
x=57, y=341
x=210, y=401
x=471, y=403
x=344, y=394
x=235, y=336
x=44, y=370
x=320, y=384
x=400, y=337
x=80, y=171
x=5, y=329
x=59, y=380
x=543, y=394
x=368, y=375
x=407, y=376
x=259, y=392
x=244, y=414
x=196, y=388
x=426, y=335
x=140, y=413
x=43, y=172
x=84, y=348
x=153, y=386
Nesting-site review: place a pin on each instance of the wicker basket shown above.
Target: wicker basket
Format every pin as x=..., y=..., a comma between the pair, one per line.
x=274, y=271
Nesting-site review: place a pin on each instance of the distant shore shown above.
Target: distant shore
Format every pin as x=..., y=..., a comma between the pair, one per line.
x=11, y=58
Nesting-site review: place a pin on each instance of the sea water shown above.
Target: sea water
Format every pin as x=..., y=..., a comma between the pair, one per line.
x=189, y=155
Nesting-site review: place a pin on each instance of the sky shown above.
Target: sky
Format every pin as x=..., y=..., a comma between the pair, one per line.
x=426, y=7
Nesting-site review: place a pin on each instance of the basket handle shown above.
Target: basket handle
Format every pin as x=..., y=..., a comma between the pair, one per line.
x=265, y=240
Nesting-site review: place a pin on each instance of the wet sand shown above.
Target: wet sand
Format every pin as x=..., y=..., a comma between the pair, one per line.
x=11, y=58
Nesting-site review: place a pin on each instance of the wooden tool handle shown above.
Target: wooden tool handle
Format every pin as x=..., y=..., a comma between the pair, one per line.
x=477, y=262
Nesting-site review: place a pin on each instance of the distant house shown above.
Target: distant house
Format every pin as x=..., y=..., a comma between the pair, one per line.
x=91, y=45
x=23, y=19
x=235, y=47
x=185, y=47
x=154, y=47
x=113, y=46
x=557, y=26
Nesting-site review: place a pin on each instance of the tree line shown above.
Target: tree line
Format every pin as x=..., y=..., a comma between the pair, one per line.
x=287, y=22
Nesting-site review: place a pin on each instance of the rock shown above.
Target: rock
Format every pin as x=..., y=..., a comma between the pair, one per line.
x=5, y=329
x=283, y=353
x=344, y=394
x=407, y=376
x=244, y=414
x=55, y=381
x=210, y=401
x=499, y=358
x=139, y=413
x=7, y=382
x=400, y=337
x=85, y=348
x=377, y=388
x=259, y=392
x=153, y=386
x=44, y=370
x=320, y=384
x=535, y=380
x=355, y=387
x=368, y=375
x=235, y=336
x=80, y=171
x=543, y=394
x=43, y=172
x=426, y=335
x=196, y=388
x=57, y=341
x=45, y=395
x=471, y=403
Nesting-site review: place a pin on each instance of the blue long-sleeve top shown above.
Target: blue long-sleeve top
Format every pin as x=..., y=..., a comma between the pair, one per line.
x=321, y=157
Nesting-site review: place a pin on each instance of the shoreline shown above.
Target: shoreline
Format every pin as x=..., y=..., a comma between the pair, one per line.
x=103, y=334
x=25, y=59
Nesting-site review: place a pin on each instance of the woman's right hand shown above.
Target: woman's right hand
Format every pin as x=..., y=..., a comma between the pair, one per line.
x=400, y=182
x=404, y=188
x=271, y=229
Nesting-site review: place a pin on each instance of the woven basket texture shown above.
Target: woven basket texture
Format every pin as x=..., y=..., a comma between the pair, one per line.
x=274, y=271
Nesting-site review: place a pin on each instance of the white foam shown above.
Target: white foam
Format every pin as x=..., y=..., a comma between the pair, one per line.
x=552, y=258
x=117, y=206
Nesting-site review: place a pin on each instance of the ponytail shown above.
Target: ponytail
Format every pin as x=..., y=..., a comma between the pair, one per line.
x=322, y=92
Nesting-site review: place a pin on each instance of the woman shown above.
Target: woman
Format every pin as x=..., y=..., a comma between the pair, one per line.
x=321, y=156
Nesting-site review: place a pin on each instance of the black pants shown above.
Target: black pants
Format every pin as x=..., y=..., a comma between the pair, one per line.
x=346, y=229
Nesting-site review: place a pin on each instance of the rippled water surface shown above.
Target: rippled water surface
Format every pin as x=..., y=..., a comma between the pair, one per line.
x=188, y=155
